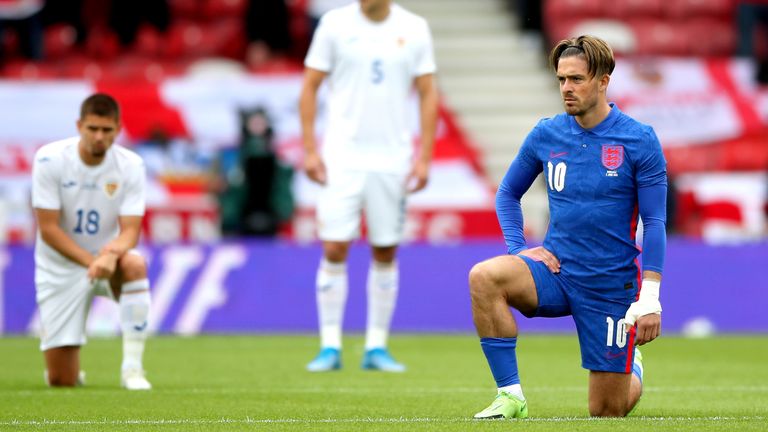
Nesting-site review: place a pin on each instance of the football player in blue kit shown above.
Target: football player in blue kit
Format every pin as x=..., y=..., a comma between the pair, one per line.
x=602, y=169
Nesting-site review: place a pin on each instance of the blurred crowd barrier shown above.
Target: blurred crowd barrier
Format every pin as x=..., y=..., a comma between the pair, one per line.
x=268, y=286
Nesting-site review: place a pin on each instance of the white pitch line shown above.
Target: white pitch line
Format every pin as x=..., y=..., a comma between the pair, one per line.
x=415, y=391
x=248, y=420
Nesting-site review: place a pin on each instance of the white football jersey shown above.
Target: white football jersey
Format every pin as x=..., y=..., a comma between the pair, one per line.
x=90, y=198
x=371, y=67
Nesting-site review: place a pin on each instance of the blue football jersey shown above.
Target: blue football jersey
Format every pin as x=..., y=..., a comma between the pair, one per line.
x=592, y=178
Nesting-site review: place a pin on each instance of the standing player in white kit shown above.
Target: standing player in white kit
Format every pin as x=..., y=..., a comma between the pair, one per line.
x=373, y=53
x=88, y=196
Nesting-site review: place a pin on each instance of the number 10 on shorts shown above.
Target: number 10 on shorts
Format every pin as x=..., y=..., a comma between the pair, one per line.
x=615, y=333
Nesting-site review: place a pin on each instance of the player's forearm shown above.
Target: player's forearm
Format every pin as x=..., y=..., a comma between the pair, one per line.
x=130, y=230
x=651, y=275
x=428, y=109
x=307, y=114
x=56, y=238
x=428, y=120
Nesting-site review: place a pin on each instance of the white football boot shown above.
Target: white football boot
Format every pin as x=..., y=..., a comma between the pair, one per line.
x=133, y=379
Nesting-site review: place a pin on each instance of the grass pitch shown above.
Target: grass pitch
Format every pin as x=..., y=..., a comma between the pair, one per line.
x=229, y=383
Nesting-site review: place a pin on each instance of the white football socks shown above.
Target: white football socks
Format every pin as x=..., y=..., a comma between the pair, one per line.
x=514, y=389
x=134, y=311
x=331, y=285
x=383, y=284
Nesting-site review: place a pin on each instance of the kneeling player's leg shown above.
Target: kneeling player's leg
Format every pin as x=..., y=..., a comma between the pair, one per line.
x=608, y=394
x=134, y=300
x=495, y=285
x=63, y=308
x=607, y=351
x=62, y=366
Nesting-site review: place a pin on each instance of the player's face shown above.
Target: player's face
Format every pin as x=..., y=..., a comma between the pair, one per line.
x=373, y=6
x=97, y=134
x=580, y=92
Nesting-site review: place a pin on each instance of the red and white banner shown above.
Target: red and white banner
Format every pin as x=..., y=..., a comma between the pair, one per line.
x=204, y=112
x=709, y=113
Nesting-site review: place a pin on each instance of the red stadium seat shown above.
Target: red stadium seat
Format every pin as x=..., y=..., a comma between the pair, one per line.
x=231, y=38
x=80, y=67
x=659, y=37
x=682, y=9
x=188, y=39
x=185, y=9
x=29, y=70
x=711, y=37
x=102, y=43
x=224, y=8
x=559, y=28
x=631, y=9
x=575, y=8
x=149, y=42
x=59, y=40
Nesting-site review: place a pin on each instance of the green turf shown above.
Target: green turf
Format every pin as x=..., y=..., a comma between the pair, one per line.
x=232, y=383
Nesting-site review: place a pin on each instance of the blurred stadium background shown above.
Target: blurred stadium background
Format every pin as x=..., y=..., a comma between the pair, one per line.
x=209, y=92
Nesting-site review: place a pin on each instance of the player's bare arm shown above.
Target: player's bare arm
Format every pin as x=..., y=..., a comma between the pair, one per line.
x=52, y=234
x=539, y=253
x=103, y=267
x=428, y=100
x=313, y=163
x=130, y=230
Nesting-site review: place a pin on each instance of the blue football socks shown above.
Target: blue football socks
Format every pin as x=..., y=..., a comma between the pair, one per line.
x=500, y=353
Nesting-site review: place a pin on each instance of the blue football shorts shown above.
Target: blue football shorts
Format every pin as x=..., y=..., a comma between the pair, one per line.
x=598, y=312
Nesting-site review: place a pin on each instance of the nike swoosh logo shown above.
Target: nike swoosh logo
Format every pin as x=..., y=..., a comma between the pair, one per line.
x=553, y=155
x=140, y=327
x=611, y=355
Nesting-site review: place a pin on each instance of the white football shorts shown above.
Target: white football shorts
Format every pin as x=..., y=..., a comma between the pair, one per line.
x=349, y=193
x=64, y=302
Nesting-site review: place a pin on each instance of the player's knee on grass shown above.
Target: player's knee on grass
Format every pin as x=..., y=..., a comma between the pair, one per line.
x=608, y=408
x=62, y=378
x=62, y=366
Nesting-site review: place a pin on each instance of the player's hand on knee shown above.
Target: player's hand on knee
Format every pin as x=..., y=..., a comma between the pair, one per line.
x=540, y=254
x=648, y=328
x=103, y=267
x=646, y=312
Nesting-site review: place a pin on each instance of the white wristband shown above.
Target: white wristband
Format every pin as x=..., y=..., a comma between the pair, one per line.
x=649, y=290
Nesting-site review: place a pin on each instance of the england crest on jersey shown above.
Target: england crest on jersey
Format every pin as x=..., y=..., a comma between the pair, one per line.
x=613, y=156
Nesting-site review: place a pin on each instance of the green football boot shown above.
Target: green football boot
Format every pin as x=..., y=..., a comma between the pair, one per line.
x=505, y=406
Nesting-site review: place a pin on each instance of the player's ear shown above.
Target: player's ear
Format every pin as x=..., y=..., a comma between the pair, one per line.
x=604, y=80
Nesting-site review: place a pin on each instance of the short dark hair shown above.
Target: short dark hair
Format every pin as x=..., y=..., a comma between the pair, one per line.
x=597, y=53
x=100, y=104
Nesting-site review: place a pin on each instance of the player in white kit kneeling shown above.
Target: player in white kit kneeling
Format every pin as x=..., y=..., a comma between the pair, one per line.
x=88, y=196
